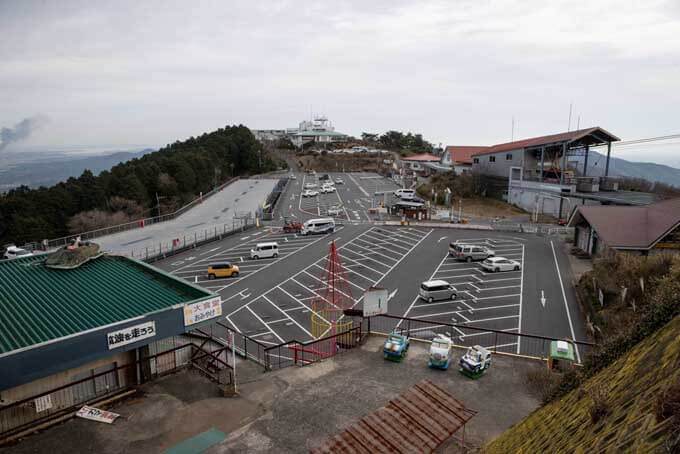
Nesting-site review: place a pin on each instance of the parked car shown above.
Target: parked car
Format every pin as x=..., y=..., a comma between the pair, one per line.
x=405, y=194
x=323, y=225
x=327, y=189
x=496, y=264
x=470, y=252
x=220, y=270
x=292, y=176
x=14, y=252
x=265, y=250
x=334, y=211
x=339, y=181
x=292, y=227
x=310, y=193
x=437, y=290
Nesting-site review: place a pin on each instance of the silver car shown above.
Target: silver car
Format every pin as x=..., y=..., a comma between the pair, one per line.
x=437, y=290
x=470, y=252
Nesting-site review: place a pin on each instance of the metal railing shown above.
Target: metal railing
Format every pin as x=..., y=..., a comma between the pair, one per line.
x=273, y=199
x=172, y=246
x=499, y=341
x=139, y=223
x=20, y=415
x=296, y=353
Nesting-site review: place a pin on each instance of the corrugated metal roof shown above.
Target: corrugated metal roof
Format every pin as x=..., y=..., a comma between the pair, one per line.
x=419, y=420
x=570, y=136
x=39, y=304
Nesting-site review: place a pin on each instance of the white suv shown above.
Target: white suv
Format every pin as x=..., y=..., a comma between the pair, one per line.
x=14, y=252
x=405, y=194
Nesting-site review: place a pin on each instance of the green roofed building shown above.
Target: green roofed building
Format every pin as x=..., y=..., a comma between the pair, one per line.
x=59, y=325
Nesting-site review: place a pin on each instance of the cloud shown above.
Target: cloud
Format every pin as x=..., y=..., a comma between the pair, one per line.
x=152, y=72
x=21, y=130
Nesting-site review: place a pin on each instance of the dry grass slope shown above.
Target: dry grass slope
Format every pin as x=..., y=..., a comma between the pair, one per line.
x=632, y=385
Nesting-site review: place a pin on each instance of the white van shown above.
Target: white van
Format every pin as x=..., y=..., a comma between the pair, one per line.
x=264, y=250
x=324, y=225
x=405, y=194
x=437, y=290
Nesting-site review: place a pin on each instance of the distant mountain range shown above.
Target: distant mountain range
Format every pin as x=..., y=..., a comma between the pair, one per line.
x=620, y=167
x=47, y=169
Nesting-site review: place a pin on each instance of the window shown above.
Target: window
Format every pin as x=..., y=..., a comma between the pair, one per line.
x=492, y=159
x=508, y=157
x=475, y=160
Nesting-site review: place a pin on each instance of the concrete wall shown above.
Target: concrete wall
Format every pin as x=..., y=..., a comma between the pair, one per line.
x=501, y=166
x=68, y=376
x=549, y=202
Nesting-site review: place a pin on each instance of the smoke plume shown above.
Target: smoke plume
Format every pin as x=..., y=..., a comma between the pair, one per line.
x=21, y=130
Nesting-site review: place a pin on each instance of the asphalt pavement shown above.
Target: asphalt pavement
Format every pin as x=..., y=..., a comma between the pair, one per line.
x=215, y=214
x=272, y=299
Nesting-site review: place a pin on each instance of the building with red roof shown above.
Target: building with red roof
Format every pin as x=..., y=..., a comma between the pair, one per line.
x=459, y=157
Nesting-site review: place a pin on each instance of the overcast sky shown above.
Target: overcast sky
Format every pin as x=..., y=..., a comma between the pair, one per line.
x=129, y=73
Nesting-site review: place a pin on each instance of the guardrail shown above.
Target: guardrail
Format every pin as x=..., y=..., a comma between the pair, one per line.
x=165, y=249
x=273, y=199
x=139, y=223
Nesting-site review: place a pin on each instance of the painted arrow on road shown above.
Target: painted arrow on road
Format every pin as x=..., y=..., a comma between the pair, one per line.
x=391, y=295
x=442, y=238
x=542, y=298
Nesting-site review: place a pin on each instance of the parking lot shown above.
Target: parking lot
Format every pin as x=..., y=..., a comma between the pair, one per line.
x=193, y=266
x=283, y=312
x=354, y=197
x=488, y=299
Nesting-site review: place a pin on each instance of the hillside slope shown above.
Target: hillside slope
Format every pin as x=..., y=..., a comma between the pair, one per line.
x=631, y=384
x=620, y=167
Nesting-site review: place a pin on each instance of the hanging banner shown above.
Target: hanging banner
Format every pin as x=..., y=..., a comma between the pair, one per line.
x=202, y=311
x=131, y=334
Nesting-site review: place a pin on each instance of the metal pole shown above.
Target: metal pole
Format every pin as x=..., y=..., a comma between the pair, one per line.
x=233, y=358
x=609, y=150
x=585, y=163
x=564, y=162
x=542, y=162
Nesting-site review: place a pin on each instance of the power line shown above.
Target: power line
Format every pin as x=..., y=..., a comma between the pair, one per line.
x=650, y=139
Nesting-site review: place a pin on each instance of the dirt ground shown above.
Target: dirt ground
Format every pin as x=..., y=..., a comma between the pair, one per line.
x=290, y=410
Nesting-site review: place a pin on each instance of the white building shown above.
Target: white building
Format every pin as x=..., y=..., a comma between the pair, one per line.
x=318, y=130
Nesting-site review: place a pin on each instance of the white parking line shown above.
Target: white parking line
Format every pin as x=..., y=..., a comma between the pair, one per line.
x=459, y=312
x=289, y=317
x=263, y=323
x=564, y=297
x=521, y=291
x=463, y=301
